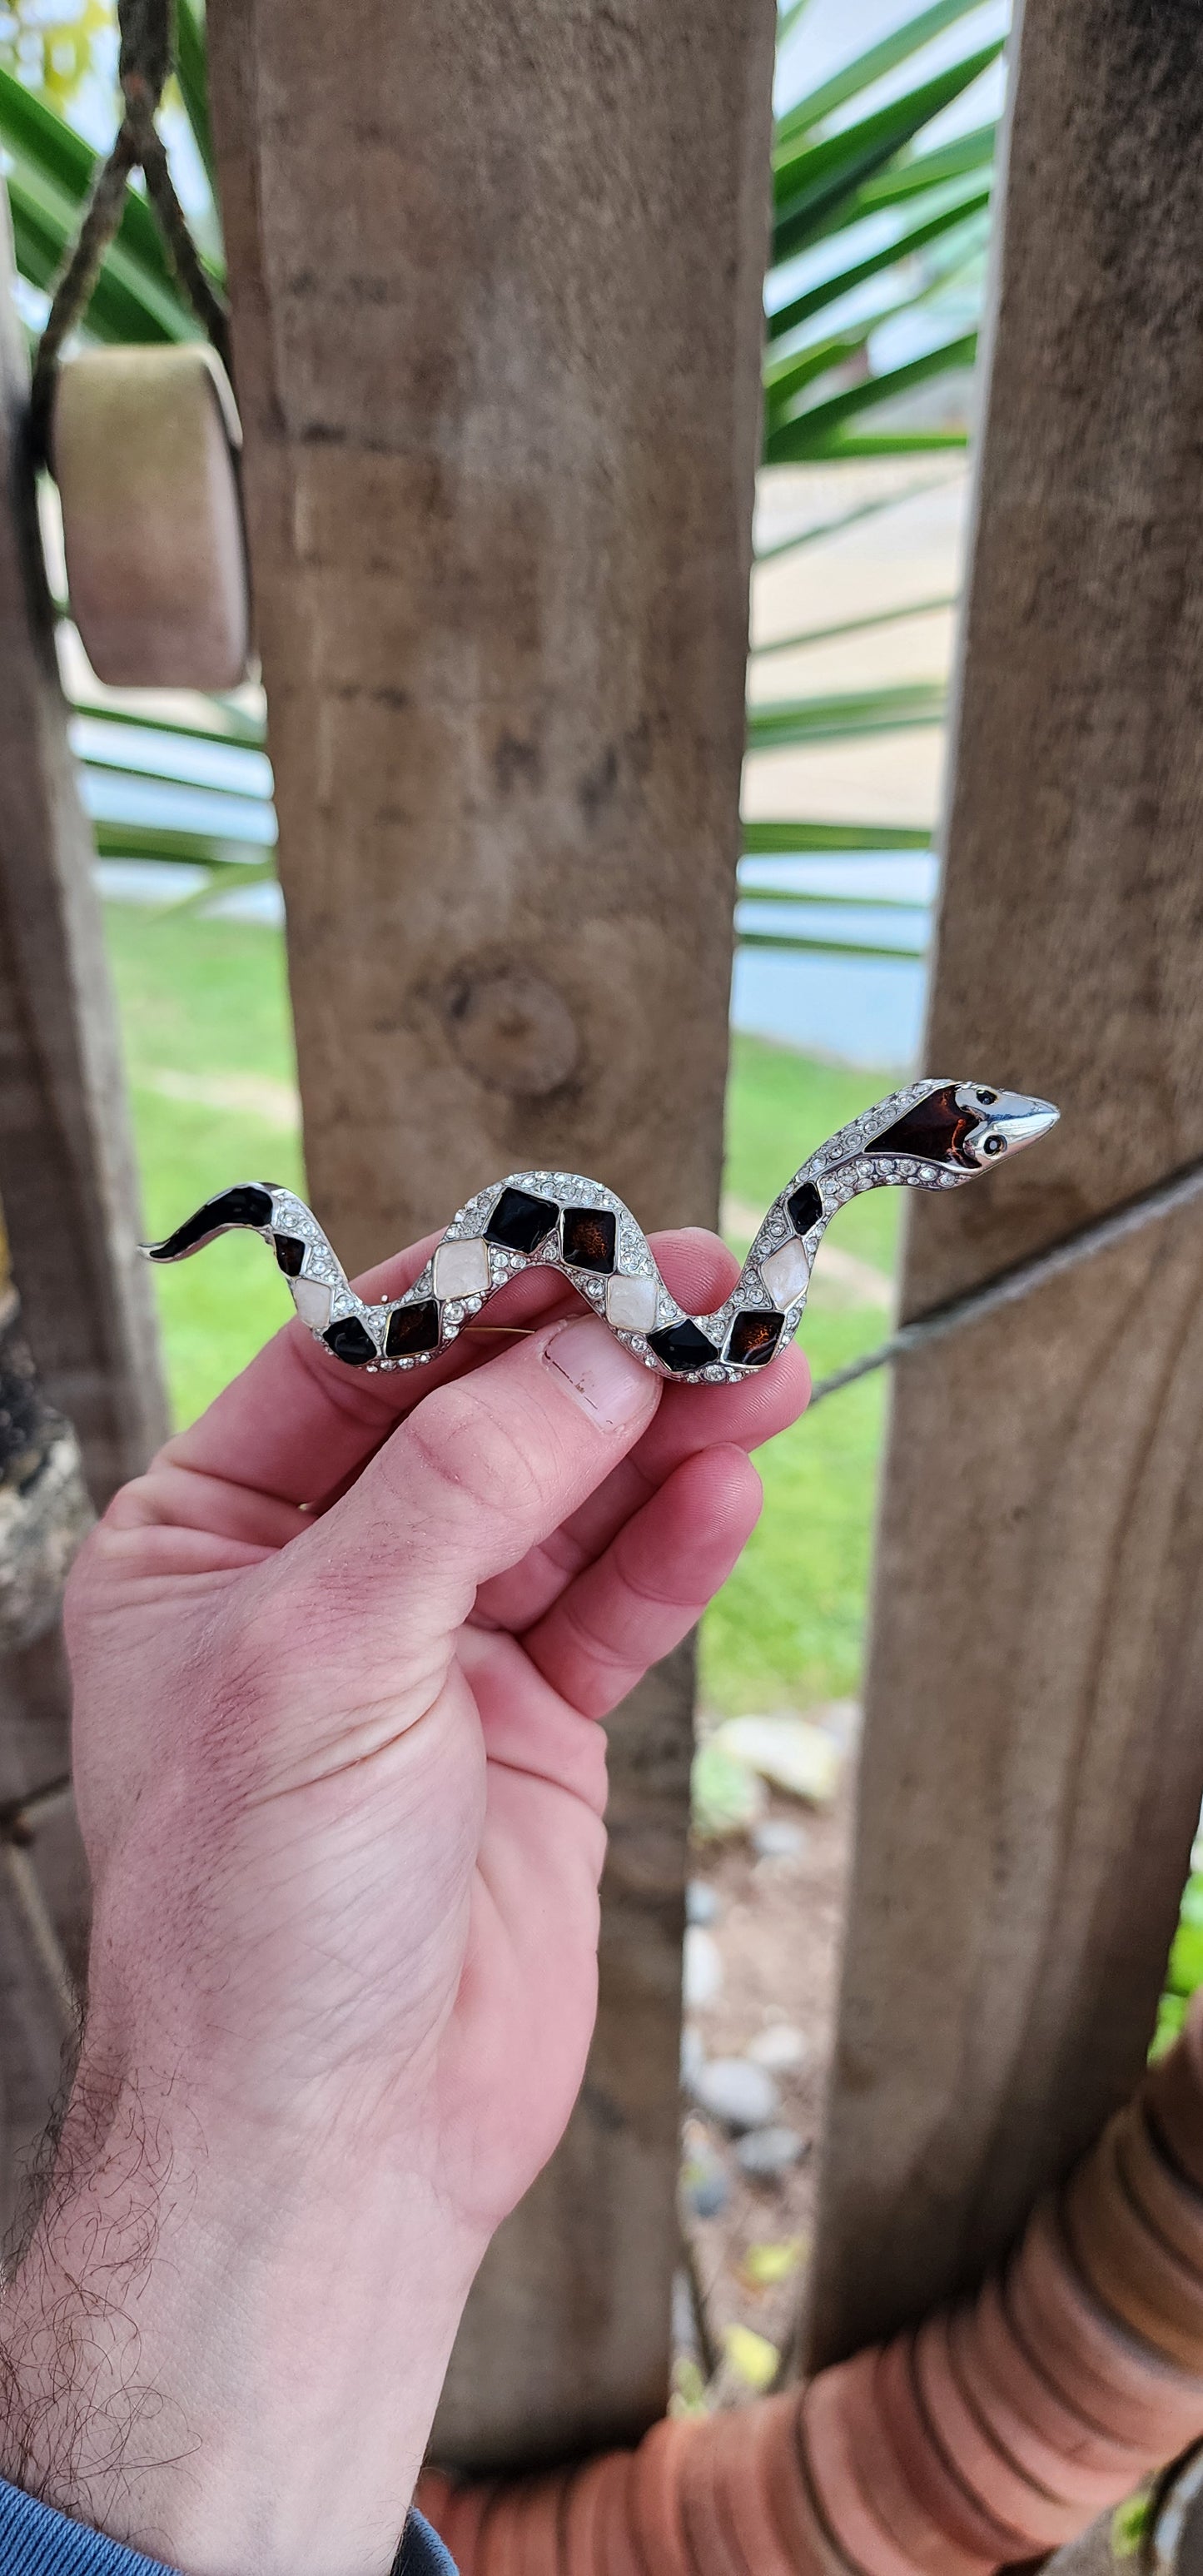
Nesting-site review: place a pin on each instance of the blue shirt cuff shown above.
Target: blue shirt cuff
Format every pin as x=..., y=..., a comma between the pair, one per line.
x=36, y=2542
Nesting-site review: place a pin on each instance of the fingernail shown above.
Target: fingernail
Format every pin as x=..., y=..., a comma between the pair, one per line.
x=602, y=1376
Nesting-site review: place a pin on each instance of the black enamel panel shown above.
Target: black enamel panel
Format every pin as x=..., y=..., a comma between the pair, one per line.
x=937, y=1128
x=349, y=1340
x=290, y=1253
x=590, y=1237
x=753, y=1339
x=682, y=1346
x=521, y=1221
x=804, y=1208
x=412, y=1328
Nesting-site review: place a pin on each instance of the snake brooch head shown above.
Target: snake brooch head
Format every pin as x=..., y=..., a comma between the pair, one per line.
x=932, y=1136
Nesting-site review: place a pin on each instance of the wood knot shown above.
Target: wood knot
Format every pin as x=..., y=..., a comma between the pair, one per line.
x=513, y=1030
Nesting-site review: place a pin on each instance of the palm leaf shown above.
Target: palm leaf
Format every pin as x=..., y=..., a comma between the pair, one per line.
x=128, y=303
x=158, y=841
x=787, y=19
x=192, y=72
x=802, y=308
x=800, y=947
x=816, y=433
x=44, y=146
x=789, y=377
x=231, y=877
x=917, y=174
x=224, y=720
x=903, y=904
x=831, y=719
x=797, y=840
x=853, y=626
x=871, y=66
x=815, y=186
x=824, y=528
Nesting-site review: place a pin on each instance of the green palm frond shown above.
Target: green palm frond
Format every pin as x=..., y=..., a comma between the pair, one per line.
x=192, y=70
x=782, y=840
x=853, y=626
x=818, y=432
x=860, y=75
x=787, y=723
x=816, y=184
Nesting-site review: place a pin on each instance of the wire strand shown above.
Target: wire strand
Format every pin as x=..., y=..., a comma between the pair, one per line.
x=1008, y=1286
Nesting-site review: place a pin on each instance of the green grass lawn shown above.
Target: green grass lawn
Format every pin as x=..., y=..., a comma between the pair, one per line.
x=204, y=1008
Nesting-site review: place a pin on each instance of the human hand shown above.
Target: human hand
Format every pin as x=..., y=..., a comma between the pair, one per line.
x=337, y=1659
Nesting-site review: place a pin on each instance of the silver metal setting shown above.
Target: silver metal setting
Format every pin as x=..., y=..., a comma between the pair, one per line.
x=983, y=1127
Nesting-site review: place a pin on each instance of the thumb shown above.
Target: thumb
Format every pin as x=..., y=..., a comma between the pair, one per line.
x=484, y=1469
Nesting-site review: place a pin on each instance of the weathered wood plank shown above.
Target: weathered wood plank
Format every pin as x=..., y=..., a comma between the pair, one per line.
x=495, y=277
x=66, y=1166
x=1034, y=1757
x=69, y=1202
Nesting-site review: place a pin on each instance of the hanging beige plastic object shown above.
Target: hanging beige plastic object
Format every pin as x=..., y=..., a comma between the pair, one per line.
x=144, y=446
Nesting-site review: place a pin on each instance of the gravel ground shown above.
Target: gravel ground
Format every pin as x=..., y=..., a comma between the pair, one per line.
x=777, y=1932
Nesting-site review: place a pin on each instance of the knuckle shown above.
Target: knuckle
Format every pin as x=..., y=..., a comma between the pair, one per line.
x=477, y=1458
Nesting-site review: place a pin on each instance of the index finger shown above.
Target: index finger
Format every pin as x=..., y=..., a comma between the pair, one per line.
x=299, y=1425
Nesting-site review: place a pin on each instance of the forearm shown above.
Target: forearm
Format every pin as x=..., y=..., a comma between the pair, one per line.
x=227, y=2363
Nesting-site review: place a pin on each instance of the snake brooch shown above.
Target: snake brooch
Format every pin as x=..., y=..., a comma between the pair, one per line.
x=931, y=1136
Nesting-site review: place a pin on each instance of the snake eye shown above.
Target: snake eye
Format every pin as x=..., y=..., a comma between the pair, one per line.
x=994, y=1145
x=986, y=1099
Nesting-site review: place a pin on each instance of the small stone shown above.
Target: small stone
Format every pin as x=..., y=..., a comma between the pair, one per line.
x=631, y=1303
x=693, y=2054
x=521, y=1221
x=684, y=2323
x=313, y=1301
x=461, y=1268
x=701, y=1969
x=751, y=2358
x=683, y=1347
x=726, y=1796
x=763, y=2154
x=805, y=1207
x=589, y=1238
x=754, y=1339
x=776, y=1839
x=350, y=1341
x=704, y=2185
x=702, y=1902
x=412, y=1328
x=786, y=1750
x=781, y=2048
x=733, y=2090
x=786, y=1274
x=290, y=1253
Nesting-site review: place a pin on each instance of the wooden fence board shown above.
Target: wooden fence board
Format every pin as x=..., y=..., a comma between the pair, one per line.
x=1034, y=1754
x=496, y=288
x=66, y=1165
x=70, y=1210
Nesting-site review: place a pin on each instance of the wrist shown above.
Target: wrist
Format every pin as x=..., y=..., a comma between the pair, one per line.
x=225, y=2356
